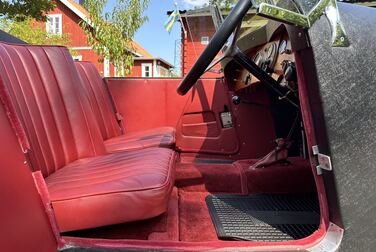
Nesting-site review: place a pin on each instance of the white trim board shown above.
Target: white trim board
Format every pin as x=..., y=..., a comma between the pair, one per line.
x=75, y=10
x=81, y=48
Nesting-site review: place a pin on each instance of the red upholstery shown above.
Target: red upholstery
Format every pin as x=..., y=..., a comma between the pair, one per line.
x=87, y=186
x=196, y=116
x=111, y=189
x=100, y=101
x=161, y=137
x=42, y=82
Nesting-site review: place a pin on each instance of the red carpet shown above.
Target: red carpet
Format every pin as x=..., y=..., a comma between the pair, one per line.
x=188, y=218
x=194, y=219
x=292, y=178
x=214, y=178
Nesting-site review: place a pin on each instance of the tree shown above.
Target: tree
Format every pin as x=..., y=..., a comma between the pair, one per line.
x=28, y=31
x=226, y=4
x=21, y=9
x=20, y=18
x=111, y=33
x=223, y=4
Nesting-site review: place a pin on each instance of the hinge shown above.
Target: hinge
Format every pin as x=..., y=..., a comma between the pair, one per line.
x=119, y=117
x=323, y=161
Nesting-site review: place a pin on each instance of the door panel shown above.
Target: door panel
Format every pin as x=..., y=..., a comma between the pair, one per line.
x=197, y=125
x=200, y=128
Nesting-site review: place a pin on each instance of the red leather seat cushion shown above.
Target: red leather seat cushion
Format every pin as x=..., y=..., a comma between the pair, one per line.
x=158, y=137
x=112, y=189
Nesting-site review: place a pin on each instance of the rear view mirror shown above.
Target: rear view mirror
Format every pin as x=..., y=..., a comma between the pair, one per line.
x=305, y=13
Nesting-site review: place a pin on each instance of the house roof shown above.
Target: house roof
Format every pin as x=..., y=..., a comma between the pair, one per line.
x=140, y=50
x=79, y=7
x=82, y=13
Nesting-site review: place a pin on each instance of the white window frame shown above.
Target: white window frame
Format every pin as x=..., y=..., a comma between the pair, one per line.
x=205, y=40
x=106, y=68
x=155, y=68
x=77, y=58
x=143, y=72
x=54, y=16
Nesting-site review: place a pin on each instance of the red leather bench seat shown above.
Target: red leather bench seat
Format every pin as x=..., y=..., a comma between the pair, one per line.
x=88, y=187
x=104, y=113
x=112, y=189
x=161, y=137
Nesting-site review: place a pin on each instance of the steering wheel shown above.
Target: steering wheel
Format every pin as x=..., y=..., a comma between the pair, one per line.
x=218, y=41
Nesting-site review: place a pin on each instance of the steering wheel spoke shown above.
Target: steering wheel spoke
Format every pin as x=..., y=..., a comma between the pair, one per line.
x=214, y=63
x=229, y=50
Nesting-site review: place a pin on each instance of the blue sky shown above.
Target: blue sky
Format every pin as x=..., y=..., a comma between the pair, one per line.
x=152, y=35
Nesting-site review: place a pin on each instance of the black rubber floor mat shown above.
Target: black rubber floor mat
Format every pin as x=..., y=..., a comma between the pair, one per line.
x=264, y=217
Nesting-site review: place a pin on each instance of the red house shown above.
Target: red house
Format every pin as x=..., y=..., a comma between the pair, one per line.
x=66, y=18
x=197, y=30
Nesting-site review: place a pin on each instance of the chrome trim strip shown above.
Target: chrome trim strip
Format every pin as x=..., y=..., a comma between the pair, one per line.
x=331, y=241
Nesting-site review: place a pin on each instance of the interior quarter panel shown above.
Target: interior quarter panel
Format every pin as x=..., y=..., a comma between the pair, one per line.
x=24, y=223
x=150, y=103
x=147, y=103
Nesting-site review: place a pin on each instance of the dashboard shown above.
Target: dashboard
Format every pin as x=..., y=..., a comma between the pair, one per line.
x=274, y=57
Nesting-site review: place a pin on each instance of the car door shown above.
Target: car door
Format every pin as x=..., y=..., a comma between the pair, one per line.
x=347, y=78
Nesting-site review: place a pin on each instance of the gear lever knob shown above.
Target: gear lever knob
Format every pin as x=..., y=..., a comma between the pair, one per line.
x=236, y=100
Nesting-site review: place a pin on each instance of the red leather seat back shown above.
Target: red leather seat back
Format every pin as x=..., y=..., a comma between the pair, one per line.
x=99, y=99
x=46, y=91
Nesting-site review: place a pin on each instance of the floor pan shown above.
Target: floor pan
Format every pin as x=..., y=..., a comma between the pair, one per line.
x=268, y=218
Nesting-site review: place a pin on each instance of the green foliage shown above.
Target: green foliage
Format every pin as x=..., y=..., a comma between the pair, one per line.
x=111, y=33
x=28, y=31
x=223, y=4
x=21, y=9
x=226, y=4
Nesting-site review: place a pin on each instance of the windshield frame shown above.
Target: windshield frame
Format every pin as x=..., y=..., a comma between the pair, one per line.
x=287, y=16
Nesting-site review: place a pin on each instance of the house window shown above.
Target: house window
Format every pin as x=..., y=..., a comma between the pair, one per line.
x=106, y=68
x=77, y=58
x=146, y=70
x=54, y=24
x=204, y=40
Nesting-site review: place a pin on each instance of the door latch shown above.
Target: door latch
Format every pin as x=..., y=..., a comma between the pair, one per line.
x=324, y=161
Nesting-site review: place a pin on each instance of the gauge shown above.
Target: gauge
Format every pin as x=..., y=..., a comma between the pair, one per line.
x=282, y=47
x=270, y=51
x=258, y=59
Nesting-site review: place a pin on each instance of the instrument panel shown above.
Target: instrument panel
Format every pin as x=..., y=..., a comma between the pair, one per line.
x=271, y=57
